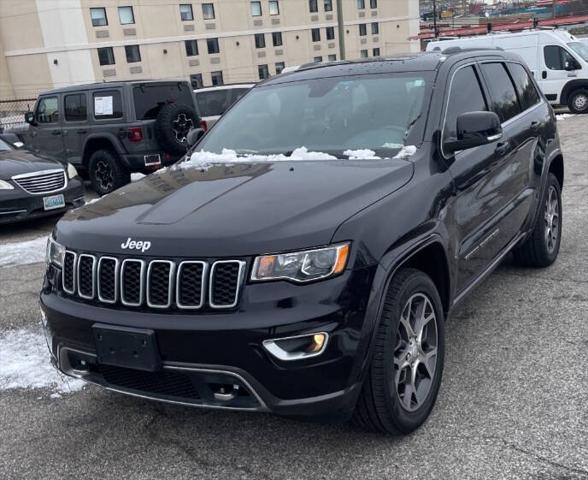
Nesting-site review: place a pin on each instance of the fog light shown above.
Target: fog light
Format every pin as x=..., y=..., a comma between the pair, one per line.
x=298, y=347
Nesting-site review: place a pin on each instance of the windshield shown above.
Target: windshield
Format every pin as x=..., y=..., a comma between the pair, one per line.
x=4, y=147
x=332, y=115
x=580, y=48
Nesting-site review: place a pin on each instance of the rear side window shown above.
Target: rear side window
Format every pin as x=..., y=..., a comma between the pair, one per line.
x=150, y=98
x=47, y=110
x=528, y=94
x=107, y=104
x=502, y=91
x=75, y=107
x=465, y=96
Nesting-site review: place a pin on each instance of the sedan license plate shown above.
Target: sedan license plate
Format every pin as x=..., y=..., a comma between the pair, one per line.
x=53, y=202
x=126, y=347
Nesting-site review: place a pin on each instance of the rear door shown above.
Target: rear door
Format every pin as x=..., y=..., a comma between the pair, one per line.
x=75, y=128
x=46, y=134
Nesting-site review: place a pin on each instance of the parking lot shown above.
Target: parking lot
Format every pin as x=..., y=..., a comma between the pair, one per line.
x=513, y=404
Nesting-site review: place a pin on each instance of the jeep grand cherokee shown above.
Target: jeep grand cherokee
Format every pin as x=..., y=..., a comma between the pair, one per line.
x=305, y=258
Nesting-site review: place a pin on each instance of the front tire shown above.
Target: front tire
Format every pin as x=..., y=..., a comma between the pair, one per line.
x=542, y=247
x=106, y=172
x=404, y=377
x=578, y=101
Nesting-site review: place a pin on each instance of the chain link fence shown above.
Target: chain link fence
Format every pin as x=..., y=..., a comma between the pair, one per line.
x=12, y=113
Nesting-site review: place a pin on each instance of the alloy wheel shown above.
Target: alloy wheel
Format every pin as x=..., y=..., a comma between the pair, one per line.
x=181, y=126
x=415, y=355
x=104, y=175
x=581, y=102
x=551, y=219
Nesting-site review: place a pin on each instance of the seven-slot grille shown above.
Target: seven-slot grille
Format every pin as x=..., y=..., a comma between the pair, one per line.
x=157, y=284
x=47, y=181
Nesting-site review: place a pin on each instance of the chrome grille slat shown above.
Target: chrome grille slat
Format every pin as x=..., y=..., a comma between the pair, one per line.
x=47, y=181
x=157, y=283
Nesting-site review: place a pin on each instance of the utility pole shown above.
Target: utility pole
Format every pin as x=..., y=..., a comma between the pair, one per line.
x=341, y=29
x=435, y=33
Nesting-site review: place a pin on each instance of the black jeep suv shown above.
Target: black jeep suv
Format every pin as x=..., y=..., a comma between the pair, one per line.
x=305, y=257
x=108, y=130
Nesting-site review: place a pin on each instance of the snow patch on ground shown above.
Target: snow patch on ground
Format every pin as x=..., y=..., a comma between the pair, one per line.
x=25, y=363
x=23, y=253
x=364, y=154
x=563, y=116
x=136, y=176
x=406, y=151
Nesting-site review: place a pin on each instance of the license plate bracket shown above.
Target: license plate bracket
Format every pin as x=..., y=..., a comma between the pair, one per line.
x=53, y=202
x=126, y=347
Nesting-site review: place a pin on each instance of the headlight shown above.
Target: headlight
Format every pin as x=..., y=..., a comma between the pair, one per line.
x=71, y=171
x=4, y=185
x=302, y=266
x=55, y=252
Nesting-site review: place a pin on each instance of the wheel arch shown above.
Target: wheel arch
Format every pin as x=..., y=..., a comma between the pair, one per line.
x=570, y=87
x=556, y=166
x=95, y=143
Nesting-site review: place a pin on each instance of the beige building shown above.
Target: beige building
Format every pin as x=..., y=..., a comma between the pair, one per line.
x=53, y=43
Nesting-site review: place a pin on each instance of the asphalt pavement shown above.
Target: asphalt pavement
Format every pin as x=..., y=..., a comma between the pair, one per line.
x=513, y=403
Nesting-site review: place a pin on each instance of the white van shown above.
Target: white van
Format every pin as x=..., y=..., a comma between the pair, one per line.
x=558, y=60
x=212, y=102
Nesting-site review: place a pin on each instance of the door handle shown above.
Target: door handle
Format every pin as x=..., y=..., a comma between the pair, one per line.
x=81, y=132
x=543, y=74
x=502, y=148
x=534, y=126
x=56, y=132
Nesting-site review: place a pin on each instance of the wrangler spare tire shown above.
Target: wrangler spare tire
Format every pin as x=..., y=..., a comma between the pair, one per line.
x=172, y=126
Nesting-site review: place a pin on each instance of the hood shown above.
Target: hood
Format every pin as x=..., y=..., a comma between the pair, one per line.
x=15, y=162
x=233, y=210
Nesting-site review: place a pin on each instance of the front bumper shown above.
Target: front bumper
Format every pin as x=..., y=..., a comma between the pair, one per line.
x=200, y=352
x=17, y=205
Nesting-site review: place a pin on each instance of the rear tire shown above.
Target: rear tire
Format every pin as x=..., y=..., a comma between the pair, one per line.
x=106, y=172
x=405, y=373
x=541, y=248
x=578, y=101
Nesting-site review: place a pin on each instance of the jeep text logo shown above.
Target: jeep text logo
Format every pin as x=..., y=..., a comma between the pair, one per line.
x=135, y=245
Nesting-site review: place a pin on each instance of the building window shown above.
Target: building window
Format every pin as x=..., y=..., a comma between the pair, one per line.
x=362, y=30
x=316, y=34
x=98, y=16
x=106, y=56
x=75, y=107
x=279, y=67
x=317, y=59
x=208, y=11
x=256, y=9
x=259, y=40
x=363, y=54
x=277, y=39
x=217, y=78
x=330, y=33
x=186, y=13
x=213, y=46
x=126, y=16
x=373, y=3
x=274, y=7
x=191, y=48
x=313, y=6
x=332, y=58
x=376, y=52
x=133, y=53
x=361, y=4
x=375, y=28
x=263, y=71
x=196, y=80
x=328, y=5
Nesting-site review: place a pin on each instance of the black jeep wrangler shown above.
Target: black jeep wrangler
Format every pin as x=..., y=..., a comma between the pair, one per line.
x=108, y=130
x=261, y=275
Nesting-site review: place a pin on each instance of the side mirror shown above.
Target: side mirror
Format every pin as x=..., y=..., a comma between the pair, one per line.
x=571, y=65
x=30, y=118
x=474, y=129
x=194, y=136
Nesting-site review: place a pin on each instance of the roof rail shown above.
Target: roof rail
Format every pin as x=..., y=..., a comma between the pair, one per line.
x=452, y=50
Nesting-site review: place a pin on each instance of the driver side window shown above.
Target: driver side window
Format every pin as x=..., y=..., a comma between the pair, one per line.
x=557, y=57
x=465, y=96
x=47, y=110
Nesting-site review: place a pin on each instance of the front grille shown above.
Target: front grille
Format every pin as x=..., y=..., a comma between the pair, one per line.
x=47, y=181
x=157, y=284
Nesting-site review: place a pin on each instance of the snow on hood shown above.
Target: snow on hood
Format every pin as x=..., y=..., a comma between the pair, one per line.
x=25, y=364
x=203, y=158
x=23, y=253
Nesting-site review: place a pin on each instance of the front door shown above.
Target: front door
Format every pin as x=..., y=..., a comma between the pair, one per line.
x=46, y=134
x=557, y=71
